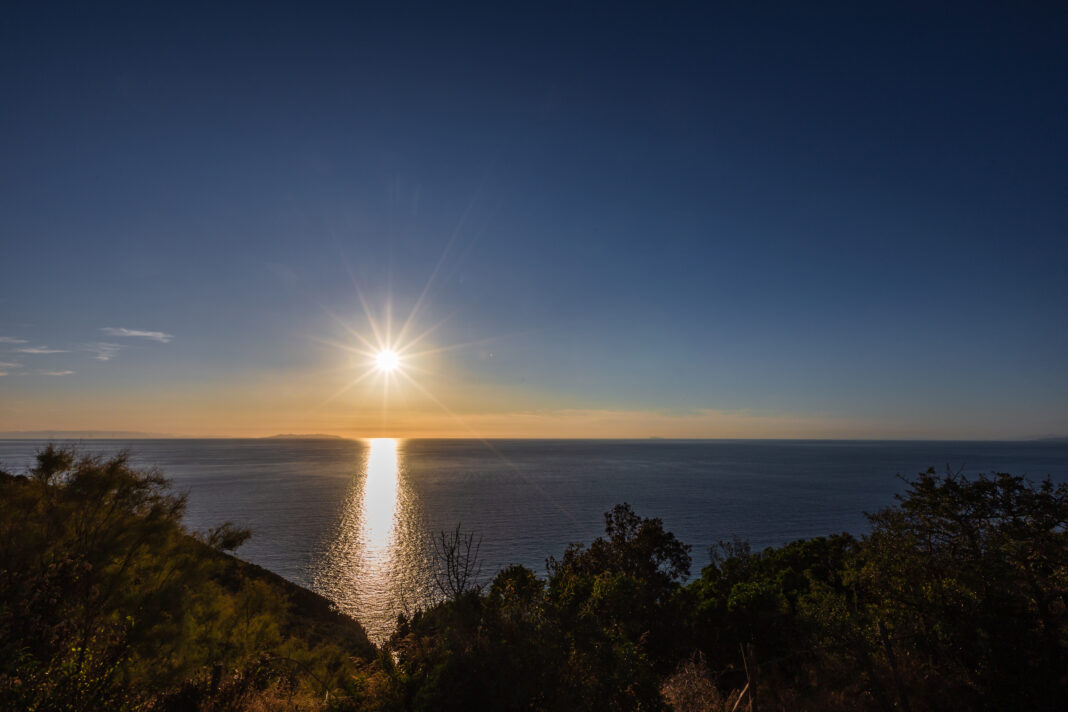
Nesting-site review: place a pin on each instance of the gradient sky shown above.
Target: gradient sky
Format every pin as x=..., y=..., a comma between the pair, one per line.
x=661, y=220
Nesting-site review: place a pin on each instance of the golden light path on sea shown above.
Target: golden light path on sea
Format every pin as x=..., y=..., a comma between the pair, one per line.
x=380, y=499
x=376, y=565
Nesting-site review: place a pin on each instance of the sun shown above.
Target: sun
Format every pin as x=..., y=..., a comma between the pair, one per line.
x=387, y=360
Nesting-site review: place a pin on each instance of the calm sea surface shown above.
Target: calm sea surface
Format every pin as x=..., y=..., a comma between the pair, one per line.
x=354, y=520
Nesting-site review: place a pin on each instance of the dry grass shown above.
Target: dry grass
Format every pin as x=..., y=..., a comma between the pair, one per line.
x=692, y=689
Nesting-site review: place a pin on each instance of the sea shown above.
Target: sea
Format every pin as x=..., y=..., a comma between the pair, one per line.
x=359, y=520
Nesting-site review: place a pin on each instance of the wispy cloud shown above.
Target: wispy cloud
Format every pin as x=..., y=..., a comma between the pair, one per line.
x=153, y=335
x=103, y=351
x=9, y=364
x=53, y=373
x=40, y=350
x=11, y=340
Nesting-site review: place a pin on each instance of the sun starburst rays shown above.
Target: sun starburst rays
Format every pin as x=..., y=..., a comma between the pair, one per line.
x=396, y=362
x=376, y=356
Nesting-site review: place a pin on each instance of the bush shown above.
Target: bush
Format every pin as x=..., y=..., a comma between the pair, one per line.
x=107, y=602
x=956, y=600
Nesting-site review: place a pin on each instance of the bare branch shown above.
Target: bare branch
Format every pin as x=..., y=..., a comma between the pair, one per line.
x=458, y=567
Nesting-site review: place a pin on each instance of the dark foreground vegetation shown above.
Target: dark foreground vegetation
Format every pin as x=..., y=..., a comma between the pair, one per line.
x=107, y=603
x=956, y=601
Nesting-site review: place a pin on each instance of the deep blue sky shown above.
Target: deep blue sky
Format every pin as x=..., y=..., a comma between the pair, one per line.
x=847, y=218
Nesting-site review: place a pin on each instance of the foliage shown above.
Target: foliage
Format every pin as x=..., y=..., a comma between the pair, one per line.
x=757, y=599
x=106, y=602
x=972, y=578
x=587, y=638
x=956, y=600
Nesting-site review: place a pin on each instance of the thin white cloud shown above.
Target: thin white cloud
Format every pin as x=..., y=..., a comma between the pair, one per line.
x=40, y=350
x=103, y=351
x=10, y=364
x=11, y=340
x=153, y=335
x=53, y=373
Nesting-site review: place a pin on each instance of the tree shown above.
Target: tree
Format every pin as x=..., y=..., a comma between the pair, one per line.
x=970, y=576
x=592, y=637
x=619, y=606
x=83, y=598
x=107, y=602
x=457, y=566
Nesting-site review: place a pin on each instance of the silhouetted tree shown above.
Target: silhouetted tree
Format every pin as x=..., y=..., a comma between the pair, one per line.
x=457, y=566
x=106, y=602
x=969, y=579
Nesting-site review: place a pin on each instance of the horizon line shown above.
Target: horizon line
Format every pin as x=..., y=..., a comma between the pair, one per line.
x=45, y=435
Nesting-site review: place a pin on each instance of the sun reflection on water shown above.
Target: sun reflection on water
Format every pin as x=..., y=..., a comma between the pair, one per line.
x=380, y=496
x=377, y=559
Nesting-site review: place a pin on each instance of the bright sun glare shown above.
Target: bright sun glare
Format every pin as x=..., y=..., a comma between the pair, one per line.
x=386, y=360
x=390, y=358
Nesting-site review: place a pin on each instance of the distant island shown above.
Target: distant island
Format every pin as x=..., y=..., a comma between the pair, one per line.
x=304, y=436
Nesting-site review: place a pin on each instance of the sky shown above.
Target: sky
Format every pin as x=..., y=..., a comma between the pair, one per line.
x=695, y=220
